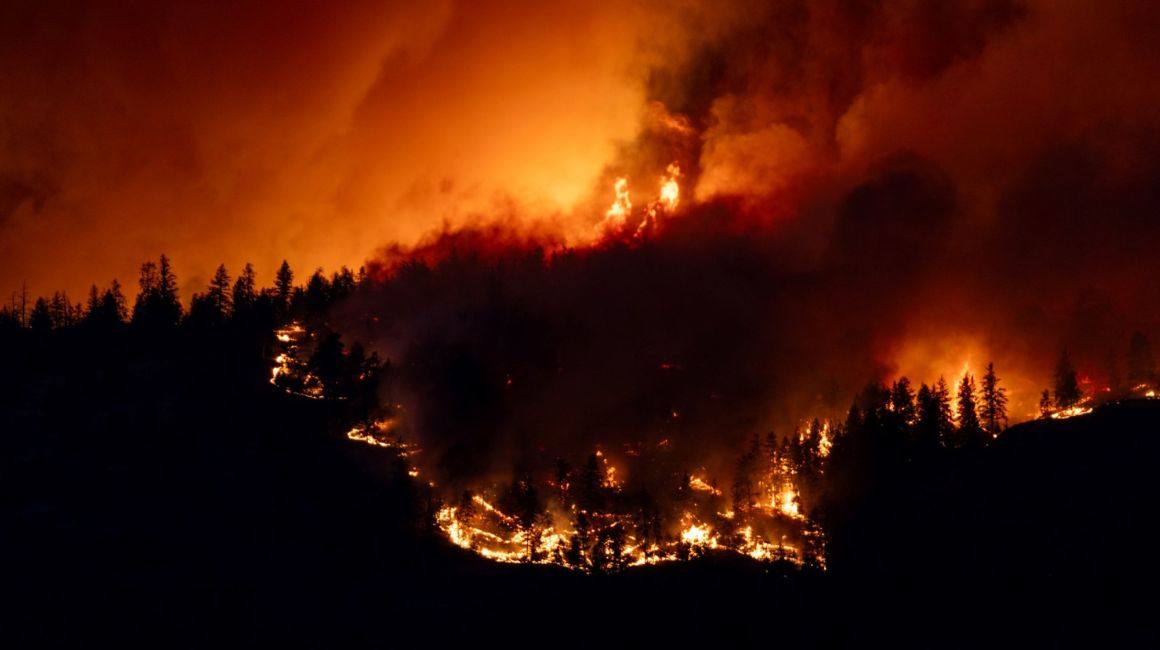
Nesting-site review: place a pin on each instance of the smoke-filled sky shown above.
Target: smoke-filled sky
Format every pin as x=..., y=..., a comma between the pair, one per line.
x=980, y=177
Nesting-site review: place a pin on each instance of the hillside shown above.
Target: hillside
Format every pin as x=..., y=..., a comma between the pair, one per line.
x=171, y=499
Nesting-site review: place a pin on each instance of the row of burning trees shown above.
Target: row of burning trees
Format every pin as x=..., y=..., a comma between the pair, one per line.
x=597, y=514
x=587, y=517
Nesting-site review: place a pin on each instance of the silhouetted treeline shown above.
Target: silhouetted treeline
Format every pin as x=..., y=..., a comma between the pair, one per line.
x=229, y=324
x=157, y=305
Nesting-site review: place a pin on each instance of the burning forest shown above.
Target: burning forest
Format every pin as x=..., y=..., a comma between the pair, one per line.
x=574, y=297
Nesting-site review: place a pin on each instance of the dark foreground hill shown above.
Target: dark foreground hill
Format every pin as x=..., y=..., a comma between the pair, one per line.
x=178, y=499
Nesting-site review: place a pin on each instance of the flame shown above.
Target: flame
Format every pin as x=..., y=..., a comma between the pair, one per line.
x=699, y=484
x=621, y=208
x=827, y=441
x=289, y=373
x=1072, y=412
x=670, y=190
x=616, y=218
x=785, y=501
x=699, y=536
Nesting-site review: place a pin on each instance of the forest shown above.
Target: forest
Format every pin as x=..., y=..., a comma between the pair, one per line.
x=158, y=479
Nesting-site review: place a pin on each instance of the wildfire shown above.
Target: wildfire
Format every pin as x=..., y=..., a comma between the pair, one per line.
x=699, y=484
x=616, y=218
x=1144, y=390
x=670, y=191
x=785, y=501
x=1063, y=414
x=580, y=534
x=289, y=372
x=621, y=208
x=699, y=536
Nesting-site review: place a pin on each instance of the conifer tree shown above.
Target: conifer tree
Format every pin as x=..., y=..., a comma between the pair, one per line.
x=902, y=402
x=218, y=293
x=926, y=429
x=244, y=290
x=942, y=400
x=284, y=284
x=970, y=433
x=994, y=403
x=40, y=319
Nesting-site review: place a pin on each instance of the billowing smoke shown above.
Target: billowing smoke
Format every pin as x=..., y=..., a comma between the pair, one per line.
x=869, y=190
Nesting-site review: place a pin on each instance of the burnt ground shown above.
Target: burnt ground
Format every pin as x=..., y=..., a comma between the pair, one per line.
x=179, y=500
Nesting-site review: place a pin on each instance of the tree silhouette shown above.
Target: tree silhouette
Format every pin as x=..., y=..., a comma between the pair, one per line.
x=317, y=296
x=157, y=304
x=927, y=428
x=94, y=303
x=106, y=310
x=244, y=291
x=168, y=302
x=970, y=433
x=942, y=400
x=214, y=307
x=902, y=401
x=994, y=403
x=284, y=284
x=1045, y=404
x=1067, y=390
x=342, y=284
x=63, y=312
x=40, y=319
x=219, y=292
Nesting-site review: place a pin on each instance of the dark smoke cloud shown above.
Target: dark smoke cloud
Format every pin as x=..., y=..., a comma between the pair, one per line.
x=872, y=189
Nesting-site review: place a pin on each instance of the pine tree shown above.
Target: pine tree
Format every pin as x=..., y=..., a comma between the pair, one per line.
x=168, y=303
x=60, y=309
x=317, y=295
x=244, y=290
x=218, y=293
x=106, y=310
x=942, y=400
x=94, y=305
x=902, y=402
x=342, y=283
x=926, y=428
x=1067, y=390
x=40, y=319
x=284, y=284
x=114, y=301
x=994, y=405
x=157, y=303
x=970, y=432
x=1045, y=404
